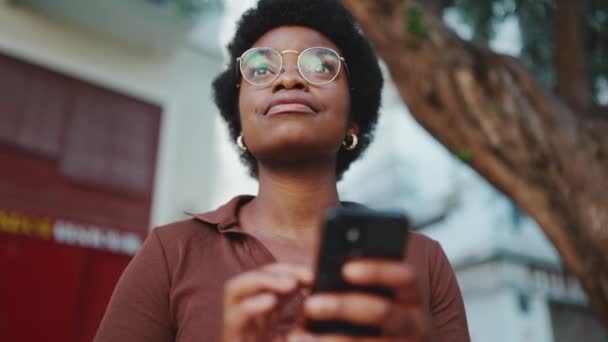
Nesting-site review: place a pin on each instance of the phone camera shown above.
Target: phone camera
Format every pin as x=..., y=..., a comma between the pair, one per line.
x=352, y=235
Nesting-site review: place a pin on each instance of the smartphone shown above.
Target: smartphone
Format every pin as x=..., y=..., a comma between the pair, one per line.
x=349, y=233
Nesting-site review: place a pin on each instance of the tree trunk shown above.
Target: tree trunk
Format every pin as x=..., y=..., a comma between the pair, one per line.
x=573, y=82
x=488, y=108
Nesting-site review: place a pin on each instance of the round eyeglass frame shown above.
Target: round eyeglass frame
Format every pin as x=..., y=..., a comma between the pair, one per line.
x=281, y=53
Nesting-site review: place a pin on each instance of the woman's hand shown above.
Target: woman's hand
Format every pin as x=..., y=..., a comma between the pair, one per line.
x=402, y=318
x=250, y=298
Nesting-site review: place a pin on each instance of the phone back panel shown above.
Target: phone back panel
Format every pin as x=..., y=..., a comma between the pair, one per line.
x=350, y=233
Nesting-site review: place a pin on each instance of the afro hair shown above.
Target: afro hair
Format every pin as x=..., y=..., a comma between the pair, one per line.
x=333, y=20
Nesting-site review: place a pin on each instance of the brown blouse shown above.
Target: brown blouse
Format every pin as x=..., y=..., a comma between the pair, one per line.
x=172, y=289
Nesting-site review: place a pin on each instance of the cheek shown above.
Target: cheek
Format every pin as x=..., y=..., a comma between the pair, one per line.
x=342, y=104
x=341, y=97
x=241, y=105
x=249, y=103
x=244, y=102
x=347, y=107
x=245, y=105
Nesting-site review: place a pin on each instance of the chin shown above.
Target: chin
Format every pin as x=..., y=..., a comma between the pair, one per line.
x=293, y=150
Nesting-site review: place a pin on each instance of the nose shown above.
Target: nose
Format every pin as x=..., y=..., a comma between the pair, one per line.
x=289, y=78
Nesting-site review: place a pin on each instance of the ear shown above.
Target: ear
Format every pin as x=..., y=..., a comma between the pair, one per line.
x=353, y=127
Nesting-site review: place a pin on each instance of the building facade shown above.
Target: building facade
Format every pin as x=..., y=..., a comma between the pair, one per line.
x=106, y=129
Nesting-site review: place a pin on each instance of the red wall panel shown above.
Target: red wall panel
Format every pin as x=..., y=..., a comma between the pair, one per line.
x=39, y=290
x=75, y=153
x=100, y=276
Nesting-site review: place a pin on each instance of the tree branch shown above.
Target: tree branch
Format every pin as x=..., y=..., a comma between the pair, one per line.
x=550, y=161
x=436, y=7
x=574, y=85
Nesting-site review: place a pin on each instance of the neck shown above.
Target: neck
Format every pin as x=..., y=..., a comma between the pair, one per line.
x=291, y=204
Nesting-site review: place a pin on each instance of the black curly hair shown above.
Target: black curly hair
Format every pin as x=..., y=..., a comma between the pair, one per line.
x=330, y=18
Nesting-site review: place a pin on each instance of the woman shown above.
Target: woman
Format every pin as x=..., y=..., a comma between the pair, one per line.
x=301, y=107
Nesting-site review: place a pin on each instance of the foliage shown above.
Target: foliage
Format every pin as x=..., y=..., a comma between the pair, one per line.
x=597, y=42
x=415, y=22
x=465, y=154
x=536, y=22
x=188, y=8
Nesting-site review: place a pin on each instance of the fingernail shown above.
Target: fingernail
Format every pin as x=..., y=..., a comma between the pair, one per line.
x=287, y=282
x=308, y=275
x=264, y=299
x=300, y=337
x=320, y=303
x=352, y=270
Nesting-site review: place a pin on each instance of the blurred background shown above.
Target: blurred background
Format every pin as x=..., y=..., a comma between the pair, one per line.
x=107, y=129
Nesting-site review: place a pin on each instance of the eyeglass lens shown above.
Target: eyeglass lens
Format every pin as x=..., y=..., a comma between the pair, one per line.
x=262, y=66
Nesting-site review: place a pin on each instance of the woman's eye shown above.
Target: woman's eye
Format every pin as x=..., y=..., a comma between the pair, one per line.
x=320, y=65
x=323, y=68
x=261, y=71
x=320, y=68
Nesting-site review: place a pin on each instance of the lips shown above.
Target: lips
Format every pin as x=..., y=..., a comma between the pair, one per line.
x=289, y=108
x=296, y=102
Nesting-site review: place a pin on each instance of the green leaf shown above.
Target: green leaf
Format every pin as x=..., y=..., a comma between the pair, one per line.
x=415, y=22
x=465, y=154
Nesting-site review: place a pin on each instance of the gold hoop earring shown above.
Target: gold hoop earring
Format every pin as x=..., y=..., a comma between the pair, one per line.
x=240, y=143
x=354, y=140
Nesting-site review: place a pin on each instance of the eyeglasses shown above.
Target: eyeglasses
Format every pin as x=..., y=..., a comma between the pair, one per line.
x=317, y=65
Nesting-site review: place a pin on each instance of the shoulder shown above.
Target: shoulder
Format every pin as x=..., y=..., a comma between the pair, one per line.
x=422, y=241
x=427, y=257
x=184, y=231
x=179, y=239
x=423, y=250
x=439, y=288
x=201, y=227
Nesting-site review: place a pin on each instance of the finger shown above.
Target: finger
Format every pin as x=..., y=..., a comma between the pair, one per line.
x=393, y=318
x=354, y=307
x=302, y=273
x=253, y=282
x=307, y=337
x=239, y=315
x=374, y=272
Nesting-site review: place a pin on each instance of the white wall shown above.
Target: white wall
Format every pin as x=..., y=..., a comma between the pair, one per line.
x=179, y=83
x=493, y=292
x=505, y=322
x=233, y=179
